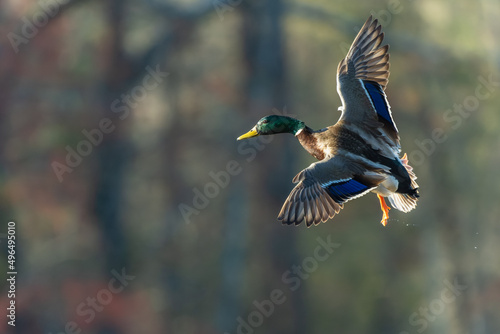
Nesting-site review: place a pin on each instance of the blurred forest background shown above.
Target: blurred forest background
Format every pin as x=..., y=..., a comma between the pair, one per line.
x=167, y=224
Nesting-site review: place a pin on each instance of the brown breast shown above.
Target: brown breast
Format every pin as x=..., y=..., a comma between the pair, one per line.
x=309, y=141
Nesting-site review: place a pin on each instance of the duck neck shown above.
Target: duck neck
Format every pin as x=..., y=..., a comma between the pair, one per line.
x=309, y=142
x=293, y=125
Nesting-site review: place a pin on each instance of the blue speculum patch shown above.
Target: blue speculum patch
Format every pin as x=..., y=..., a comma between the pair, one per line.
x=342, y=191
x=378, y=99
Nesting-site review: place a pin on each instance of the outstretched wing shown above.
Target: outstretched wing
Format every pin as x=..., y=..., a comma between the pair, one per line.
x=361, y=80
x=323, y=188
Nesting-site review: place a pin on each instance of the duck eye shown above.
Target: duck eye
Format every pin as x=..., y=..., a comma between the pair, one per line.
x=265, y=121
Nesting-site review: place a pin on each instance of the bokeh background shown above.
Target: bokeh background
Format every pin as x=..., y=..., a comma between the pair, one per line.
x=121, y=241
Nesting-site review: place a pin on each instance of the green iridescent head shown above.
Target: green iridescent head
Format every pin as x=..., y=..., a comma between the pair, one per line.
x=274, y=124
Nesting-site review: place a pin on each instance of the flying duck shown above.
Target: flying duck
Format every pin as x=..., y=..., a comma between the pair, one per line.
x=357, y=155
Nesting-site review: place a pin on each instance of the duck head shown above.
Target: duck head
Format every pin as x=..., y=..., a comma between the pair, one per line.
x=274, y=124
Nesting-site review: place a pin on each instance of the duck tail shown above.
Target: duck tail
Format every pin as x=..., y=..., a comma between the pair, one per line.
x=406, y=202
x=403, y=202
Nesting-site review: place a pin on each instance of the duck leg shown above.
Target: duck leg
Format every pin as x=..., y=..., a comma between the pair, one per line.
x=385, y=210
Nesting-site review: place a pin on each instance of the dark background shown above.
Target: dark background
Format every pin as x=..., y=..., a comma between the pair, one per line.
x=220, y=262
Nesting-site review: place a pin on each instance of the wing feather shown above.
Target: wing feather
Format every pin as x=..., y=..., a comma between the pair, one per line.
x=322, y=189
x=361, y=80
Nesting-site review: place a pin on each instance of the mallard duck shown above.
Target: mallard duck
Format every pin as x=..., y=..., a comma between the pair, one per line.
x=360, y=153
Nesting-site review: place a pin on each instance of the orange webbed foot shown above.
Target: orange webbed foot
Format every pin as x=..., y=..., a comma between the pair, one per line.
x=385, y=210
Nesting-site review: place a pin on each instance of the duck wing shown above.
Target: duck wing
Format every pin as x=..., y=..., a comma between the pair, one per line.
x=361, y=80
x=324, y=187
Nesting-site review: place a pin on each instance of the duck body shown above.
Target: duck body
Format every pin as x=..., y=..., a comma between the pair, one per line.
x=358, y=154
x=362, y=151
x=339, y=140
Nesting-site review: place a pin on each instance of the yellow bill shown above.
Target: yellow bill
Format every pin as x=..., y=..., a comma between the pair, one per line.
x=249, y=134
